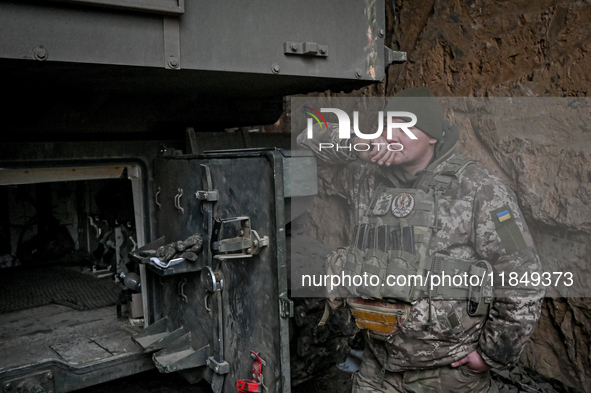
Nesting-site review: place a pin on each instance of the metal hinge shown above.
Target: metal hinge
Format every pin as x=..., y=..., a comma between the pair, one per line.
x=285, y=306
x=221, y=368
x=209, y=196
x=394, y=56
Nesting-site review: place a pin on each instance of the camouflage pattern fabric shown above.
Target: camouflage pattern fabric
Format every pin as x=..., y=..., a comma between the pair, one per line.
x=466, y=230
x=440, y=380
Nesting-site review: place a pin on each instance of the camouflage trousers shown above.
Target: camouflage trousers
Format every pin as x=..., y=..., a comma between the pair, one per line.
x=439, y=380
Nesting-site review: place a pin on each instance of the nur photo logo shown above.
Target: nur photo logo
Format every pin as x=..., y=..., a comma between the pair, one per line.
x=344, y=126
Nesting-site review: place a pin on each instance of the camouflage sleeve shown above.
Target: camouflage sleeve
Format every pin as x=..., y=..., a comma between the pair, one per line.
x=335, y=177
x=326, y=144
x=502, y=238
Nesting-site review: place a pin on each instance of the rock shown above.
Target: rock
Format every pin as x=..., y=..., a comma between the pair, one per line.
x=180, y=246
x=166, y=253
x=188, y=249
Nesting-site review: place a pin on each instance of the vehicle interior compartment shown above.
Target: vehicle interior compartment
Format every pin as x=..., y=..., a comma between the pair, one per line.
x=63, y=247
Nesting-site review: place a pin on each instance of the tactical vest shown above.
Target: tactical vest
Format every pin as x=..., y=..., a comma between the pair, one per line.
x=390, y=252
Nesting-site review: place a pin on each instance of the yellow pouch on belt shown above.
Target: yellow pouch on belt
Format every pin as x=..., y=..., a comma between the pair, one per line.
x=381, y=319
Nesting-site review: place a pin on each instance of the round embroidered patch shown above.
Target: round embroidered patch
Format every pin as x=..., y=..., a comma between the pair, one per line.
x=403, y=204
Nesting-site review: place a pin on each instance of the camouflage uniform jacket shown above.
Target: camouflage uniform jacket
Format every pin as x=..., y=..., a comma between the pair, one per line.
x=467, y=230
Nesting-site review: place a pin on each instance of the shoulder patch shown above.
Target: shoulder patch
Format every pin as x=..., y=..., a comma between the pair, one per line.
x=504, y=215
x=507, y=229
x=382, y=205
x=403, y=204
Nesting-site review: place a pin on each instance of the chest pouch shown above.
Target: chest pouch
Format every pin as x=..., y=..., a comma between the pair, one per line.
x=390, y=257
x=390, y=247
x=389, y=265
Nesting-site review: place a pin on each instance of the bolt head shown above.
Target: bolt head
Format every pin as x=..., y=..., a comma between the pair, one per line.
x=276, y=68
x=217, y=369
x=381, y=32
x=293, y=47
x=357, y=74
x=7, y=386
x=173, y=62
x=49, y=376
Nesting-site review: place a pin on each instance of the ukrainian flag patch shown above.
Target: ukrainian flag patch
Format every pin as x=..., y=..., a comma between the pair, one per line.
x=504, y=215
x=507, y=229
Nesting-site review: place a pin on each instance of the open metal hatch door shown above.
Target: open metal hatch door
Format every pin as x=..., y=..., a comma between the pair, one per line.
x=207, y=315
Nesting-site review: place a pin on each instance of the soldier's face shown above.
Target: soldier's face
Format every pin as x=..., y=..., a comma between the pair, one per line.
x=415, y=151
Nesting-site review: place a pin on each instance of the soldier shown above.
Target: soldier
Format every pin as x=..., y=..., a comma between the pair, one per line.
x=422, y=210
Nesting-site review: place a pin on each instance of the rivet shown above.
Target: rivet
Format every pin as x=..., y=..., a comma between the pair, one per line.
x=49, y=376
x=357, y=74
x=40, y=53
x=276, y=68
x=381, y=33
x=293, y=47
x=7, y=386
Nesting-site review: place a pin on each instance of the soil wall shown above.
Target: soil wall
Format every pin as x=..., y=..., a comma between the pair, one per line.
x=512, y=48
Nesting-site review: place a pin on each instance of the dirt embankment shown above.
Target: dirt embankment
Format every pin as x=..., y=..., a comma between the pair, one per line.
x=514, y=48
